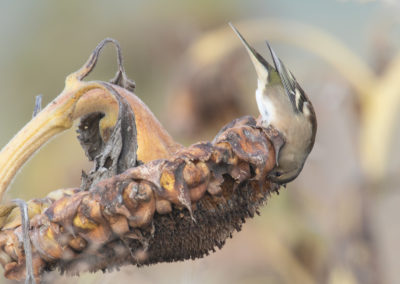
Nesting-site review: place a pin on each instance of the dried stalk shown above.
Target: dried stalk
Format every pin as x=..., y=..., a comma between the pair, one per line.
x=78, y=99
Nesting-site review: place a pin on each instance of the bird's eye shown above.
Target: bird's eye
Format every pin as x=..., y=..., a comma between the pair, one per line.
x=278, y=174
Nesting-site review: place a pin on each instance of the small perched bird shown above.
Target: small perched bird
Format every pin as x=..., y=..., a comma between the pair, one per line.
x=283, y=105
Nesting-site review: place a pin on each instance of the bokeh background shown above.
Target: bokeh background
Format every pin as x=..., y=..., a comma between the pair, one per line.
x=338, y=222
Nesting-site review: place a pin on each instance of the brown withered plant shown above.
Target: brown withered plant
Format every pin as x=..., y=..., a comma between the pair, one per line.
x=147, y=199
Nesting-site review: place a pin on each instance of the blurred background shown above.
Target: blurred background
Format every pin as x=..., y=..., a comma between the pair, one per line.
x=336, y=223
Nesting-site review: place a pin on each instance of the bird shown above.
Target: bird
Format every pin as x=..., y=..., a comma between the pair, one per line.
x=284, y=105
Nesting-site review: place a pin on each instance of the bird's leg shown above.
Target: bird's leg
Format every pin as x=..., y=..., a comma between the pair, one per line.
x=277, y=139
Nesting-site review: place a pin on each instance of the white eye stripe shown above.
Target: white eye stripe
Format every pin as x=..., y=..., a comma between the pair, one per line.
x=300, y=100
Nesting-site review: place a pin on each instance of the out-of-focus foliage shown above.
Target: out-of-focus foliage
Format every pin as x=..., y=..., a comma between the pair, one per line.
x=336, y=223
